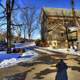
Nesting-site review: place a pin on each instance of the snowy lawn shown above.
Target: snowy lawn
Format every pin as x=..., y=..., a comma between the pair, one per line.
x=24, y=45
x=7, y=60
x=50, y=50
x=4, y=55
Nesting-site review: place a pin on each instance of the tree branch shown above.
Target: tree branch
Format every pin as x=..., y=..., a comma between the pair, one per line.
x=2, y=6
x=3, y=24
x=2, y=17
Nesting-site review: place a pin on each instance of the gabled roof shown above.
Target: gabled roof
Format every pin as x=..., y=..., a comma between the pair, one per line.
x=60, y=11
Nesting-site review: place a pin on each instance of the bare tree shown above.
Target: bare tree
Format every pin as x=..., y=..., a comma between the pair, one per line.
x=16, y=26
x=9, y=8
x=29, y=25
x=7, y=13
x=30, y=21
x=6, y=18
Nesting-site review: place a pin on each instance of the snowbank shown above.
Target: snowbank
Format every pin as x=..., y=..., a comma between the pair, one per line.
x=63, y=50
x=27, y=56
x=24, y=45
x=29, y=53
x=8, y=62
x=4, y=56
x=12, y=59
x=3, y=52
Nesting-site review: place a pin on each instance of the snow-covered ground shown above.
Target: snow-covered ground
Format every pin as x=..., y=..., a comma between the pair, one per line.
x=61, y=50
x=23, y=45
x=12, y=59
x=27, y=56
x=29, y=52
x=2, y=52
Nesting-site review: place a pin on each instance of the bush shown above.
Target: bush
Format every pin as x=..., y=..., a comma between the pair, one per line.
x=3, y=45
x=41, y=43
x=18, y=50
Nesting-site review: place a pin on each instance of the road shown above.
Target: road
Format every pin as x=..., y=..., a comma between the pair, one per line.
x=43, y=68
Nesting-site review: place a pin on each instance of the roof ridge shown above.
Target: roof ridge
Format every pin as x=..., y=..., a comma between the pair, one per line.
x=60, y=11
x=59, y=8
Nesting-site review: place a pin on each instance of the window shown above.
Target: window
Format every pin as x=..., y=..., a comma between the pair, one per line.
x=62, y=34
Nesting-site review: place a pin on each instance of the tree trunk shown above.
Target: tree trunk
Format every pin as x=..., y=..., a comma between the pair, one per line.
x=24, y=34
x=8, y=12
x=29, y=36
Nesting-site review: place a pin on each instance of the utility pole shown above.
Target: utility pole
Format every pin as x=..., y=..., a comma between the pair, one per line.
x=73, y=10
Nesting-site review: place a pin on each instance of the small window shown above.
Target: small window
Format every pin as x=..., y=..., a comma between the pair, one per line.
x=62, y=34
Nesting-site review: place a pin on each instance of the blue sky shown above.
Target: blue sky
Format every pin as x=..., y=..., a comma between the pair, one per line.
x=50, y=3
x=47, y=3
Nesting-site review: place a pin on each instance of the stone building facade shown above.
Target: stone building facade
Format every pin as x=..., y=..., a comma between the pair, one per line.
x=59, y=28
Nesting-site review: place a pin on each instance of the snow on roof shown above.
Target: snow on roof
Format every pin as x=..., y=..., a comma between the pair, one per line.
x=73, y=28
